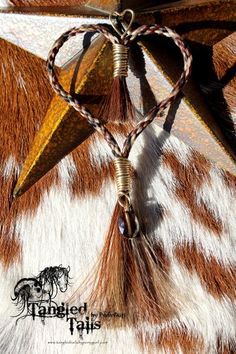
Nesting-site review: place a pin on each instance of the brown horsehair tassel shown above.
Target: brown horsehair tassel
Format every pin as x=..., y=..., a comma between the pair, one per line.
x=117, y=106
x=127, y=277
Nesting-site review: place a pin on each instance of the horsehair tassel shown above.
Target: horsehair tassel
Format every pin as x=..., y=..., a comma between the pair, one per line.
x=117, y=106
x=128, y=277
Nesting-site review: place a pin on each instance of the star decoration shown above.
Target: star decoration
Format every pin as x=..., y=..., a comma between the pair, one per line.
x=204, y=24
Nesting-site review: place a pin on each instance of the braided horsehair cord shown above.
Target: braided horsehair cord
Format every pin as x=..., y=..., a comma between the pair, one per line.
x=121, y=154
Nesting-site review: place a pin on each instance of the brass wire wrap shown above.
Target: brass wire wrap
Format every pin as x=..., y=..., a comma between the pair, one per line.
x=123, y=184
x=120, y=60
x=123, y=180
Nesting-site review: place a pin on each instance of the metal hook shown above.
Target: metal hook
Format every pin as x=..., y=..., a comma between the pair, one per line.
x=121, y=16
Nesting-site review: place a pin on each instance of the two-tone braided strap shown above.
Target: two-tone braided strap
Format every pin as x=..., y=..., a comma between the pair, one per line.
x=121, y=154
x=164, y=104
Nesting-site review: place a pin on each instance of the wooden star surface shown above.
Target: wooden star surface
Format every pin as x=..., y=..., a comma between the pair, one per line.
x=154, y=66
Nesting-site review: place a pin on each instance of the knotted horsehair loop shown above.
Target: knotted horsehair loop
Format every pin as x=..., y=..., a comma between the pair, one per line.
x=120, y=59
x=123, y=180
x=131, y=36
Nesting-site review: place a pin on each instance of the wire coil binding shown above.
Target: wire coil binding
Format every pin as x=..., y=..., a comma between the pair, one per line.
x=123, y=180
x=120, y=60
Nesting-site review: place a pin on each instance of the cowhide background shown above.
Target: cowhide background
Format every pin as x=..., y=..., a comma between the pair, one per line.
x=188, y=202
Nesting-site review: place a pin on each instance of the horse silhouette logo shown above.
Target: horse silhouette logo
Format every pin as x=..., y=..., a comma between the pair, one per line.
x=40, y=290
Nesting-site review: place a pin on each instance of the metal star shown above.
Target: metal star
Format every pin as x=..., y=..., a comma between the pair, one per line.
x=202, y=23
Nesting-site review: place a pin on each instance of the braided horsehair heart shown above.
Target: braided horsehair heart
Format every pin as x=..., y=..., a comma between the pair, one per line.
x=121, y=155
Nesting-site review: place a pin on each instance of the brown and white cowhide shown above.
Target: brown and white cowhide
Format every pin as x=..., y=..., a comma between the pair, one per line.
x=189, y=206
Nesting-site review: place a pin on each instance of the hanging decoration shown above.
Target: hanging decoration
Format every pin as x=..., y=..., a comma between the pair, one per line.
x=128, y=270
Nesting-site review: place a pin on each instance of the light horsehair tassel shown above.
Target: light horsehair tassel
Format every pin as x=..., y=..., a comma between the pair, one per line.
x=117, y=106
x=128, y=277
